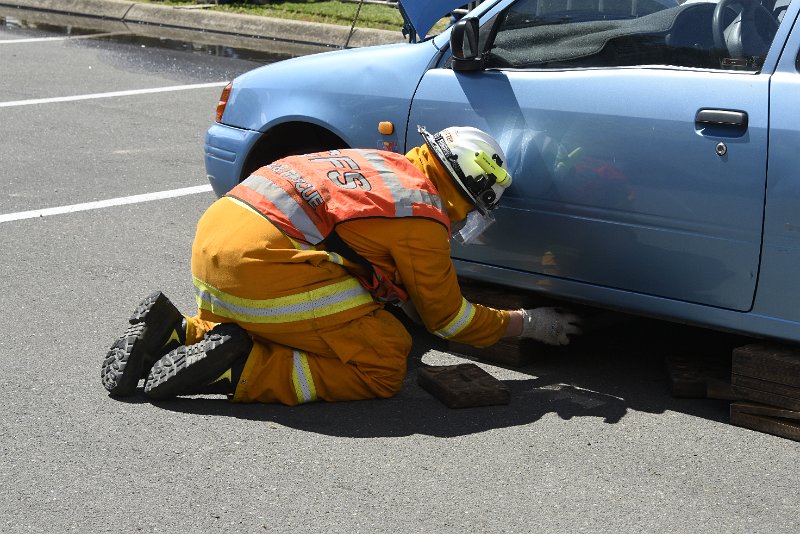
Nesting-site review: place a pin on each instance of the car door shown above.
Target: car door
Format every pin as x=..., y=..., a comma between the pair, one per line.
x=638, y=148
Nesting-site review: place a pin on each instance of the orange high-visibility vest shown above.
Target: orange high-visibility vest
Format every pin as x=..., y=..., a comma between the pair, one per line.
x=307, y=196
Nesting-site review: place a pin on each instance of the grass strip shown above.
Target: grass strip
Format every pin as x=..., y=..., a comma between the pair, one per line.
x=384, y=17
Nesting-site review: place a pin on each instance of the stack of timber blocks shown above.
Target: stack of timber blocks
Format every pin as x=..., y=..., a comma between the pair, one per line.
x=766, y=377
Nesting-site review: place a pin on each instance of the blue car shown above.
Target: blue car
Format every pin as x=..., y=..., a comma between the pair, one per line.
x=654, y=144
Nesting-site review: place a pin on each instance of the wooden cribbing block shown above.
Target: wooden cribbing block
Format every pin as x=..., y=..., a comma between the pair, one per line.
x=695, y=376
x=686, y=378
x=776, y=421
x=764, y=409
x=499, y=297
x=463, y=386
x=524, y=352
x=767, y=373
x=510, y=352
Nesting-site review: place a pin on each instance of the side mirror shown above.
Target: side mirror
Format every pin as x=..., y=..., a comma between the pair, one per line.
x=464, y=45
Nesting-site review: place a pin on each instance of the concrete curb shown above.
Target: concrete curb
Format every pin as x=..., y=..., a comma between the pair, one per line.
x=246, y=31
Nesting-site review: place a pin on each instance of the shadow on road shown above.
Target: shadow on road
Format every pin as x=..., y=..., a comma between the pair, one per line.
x=603, y=375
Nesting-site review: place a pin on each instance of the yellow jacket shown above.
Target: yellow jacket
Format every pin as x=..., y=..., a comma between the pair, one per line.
x=415, y=252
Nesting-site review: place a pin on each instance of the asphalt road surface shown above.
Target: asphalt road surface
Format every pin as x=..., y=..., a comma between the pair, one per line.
x=591, y=441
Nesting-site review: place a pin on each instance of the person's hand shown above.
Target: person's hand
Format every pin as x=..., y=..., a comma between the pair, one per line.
x=552, y=326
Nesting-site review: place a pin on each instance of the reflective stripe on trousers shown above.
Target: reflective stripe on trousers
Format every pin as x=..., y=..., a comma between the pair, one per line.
x=301, y=378
x=308, y=304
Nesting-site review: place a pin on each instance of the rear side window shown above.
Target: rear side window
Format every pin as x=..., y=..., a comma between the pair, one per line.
x=557, y=34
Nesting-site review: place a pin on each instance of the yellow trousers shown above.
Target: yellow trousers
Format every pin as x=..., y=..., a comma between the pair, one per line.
x=355, y=353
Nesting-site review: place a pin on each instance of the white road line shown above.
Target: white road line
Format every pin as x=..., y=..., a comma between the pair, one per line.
x=121, y=201
x=63, y=38
x=131, y=92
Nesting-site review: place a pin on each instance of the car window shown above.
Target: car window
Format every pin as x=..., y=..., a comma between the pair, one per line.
x=557, y=34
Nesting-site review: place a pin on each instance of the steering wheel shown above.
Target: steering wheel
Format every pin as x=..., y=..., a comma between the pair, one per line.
x=751, y=32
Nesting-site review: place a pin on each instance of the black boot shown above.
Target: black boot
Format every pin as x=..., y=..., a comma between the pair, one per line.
x=224, y=384
x=195, y=369
x=156, y=327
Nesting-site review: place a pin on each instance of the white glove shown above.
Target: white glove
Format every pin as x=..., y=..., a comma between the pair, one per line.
x=550, y=325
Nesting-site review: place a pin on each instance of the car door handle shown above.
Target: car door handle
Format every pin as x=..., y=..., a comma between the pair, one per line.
x=721, y=117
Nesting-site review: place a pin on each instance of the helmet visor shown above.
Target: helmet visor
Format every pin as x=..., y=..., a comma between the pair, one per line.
x=474, y=226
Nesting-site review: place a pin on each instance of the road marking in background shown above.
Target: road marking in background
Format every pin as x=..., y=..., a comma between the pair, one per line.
x=135, y=199
x=110, y=95
x=63, y=38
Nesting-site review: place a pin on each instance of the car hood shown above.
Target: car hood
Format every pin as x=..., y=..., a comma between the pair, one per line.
x=421, y=15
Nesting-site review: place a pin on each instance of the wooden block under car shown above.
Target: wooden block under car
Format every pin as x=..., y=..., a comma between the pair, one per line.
x=768, y=419
x=699, y=377
x=498, y=297
x=515, y=352
x=463, y=385
x=510, y=352
x=755, y=408
x=686, y=378
x=767, y=373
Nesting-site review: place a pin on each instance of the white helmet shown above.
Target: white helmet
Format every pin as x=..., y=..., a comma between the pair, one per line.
x=475, y=162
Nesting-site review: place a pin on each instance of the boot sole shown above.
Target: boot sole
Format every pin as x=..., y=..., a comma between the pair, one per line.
x=132, y=354
x=183, y=369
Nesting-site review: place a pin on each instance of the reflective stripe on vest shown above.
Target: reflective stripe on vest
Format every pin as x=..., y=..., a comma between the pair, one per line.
x=333, y=257
x=465, y=314
x=310, y=304
x=404, y=199
x=302, y=380
x=307, y=196
x=270, y=200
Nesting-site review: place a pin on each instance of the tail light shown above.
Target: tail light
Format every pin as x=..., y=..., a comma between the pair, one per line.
x=223, y=101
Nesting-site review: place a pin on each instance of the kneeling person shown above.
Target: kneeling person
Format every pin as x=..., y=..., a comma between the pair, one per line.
x=293, y=267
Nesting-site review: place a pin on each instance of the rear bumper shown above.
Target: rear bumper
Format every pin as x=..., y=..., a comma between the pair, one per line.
x=226, y=149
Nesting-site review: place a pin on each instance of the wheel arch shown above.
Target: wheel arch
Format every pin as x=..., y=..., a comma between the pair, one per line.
x=287, y=139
